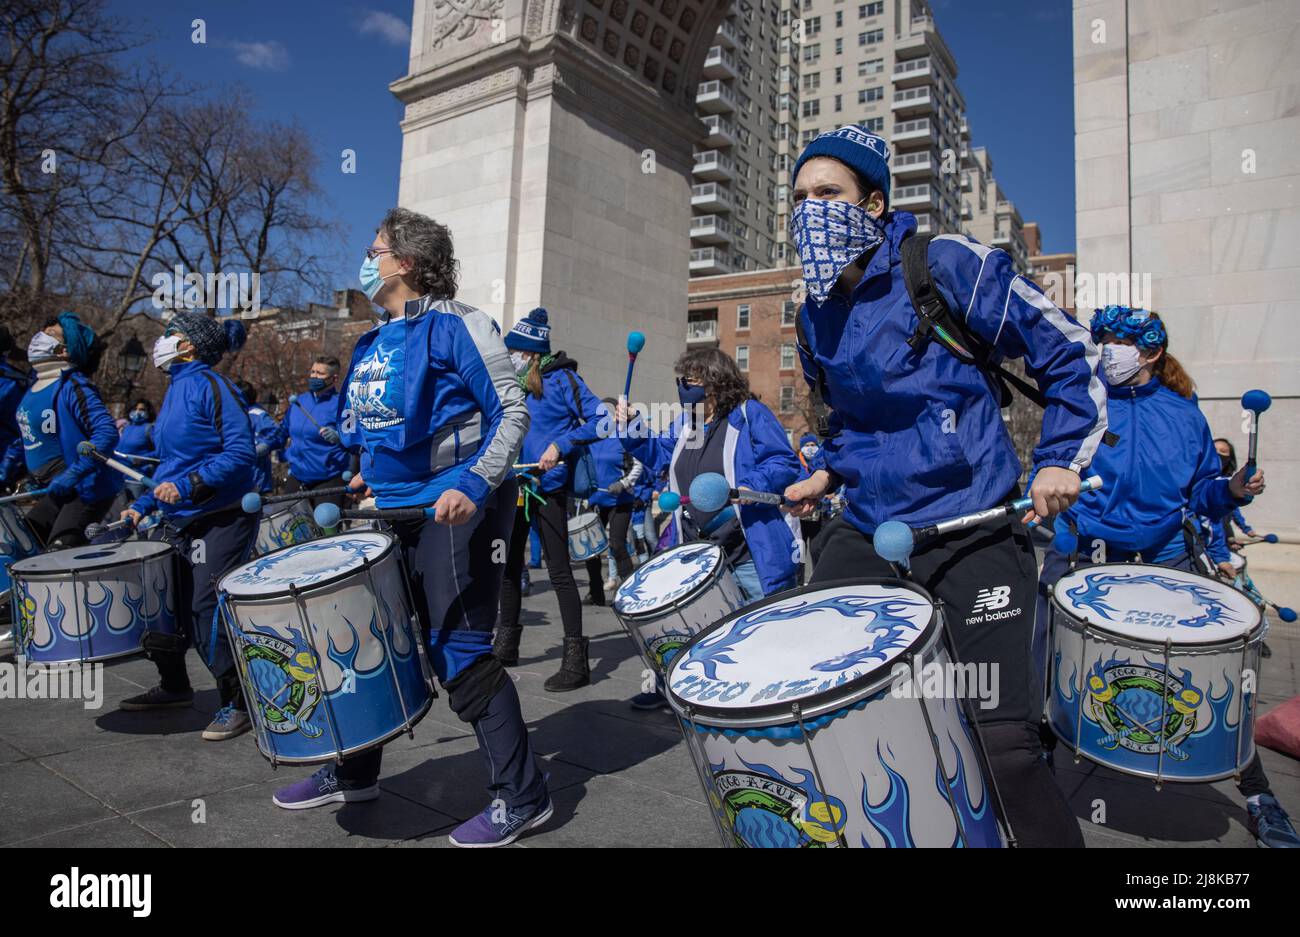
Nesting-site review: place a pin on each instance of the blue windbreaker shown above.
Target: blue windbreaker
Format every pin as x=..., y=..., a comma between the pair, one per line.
x=462, y=411
x=1163, y=465
x=137, y=439
x=560, y=417
x=80, y=415
x=13, y=384
x=311, y=458
x=266, y=432
x=201, y=427
x=919, y=437
x=610, y=455
x=758, y=457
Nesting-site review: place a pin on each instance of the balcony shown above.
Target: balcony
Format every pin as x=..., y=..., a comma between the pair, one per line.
x=701, y=331
x=722, y=132
x=912, y=101
x=912, y=196
x=710, y=229
x=920, y=165
x=715, y=97
x=909, y=73
x=727, y=35
x=710, y=197
x=923, y=225
x=905, y=130
x=719, y=63
x=714, y=166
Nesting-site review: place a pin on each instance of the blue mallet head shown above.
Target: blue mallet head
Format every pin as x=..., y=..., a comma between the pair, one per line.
x=635, y=342
x=327, y=515
x=1286, y=614
x=893, y=541
x=85, y=447
x=347, y=475
x=292, y=399
x=710, y=492
x=251, y=502
x=1270, y=538
x=1257, y=401
x=669, y=501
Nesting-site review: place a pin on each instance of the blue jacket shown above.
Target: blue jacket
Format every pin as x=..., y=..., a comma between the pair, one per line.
x=562, y=418
x=311, y=458
x=81, y=416
x=1163, y=465
x=204, y=432
x=266, y=432
x=13, y=384
x=610, y=455
x=463, y=413
x=919, y=437
x=759, y=457
x=137, y=439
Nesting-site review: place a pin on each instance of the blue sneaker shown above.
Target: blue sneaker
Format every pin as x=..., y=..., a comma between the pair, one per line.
x=226, y=724
x=1270, y=825
x=499, y=826
x=320, y=789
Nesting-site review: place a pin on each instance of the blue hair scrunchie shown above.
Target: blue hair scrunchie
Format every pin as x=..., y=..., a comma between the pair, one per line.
x=1137, y=325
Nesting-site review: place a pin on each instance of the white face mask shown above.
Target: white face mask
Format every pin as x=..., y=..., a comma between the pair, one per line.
x=42, y=347
x=165, y=351
x=520, y=361
x=809, y=451
x=1121, y=363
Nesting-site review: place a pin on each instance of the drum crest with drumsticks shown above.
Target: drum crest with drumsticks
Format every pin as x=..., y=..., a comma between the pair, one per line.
x=1142, y=708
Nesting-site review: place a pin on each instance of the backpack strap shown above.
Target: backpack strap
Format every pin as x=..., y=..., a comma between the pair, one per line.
x=577, y=399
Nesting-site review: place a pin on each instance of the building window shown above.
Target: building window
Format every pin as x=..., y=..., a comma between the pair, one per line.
x=812, y=81
x=742, y=357
x=839, y=18
x=839, y=103
x=812, y=108
x=871, y=67
x=839, y=46
x=839, y=74
x=812, y=53
x=867, y=95
x=871, y=37
x=787, y=357
x=789, y=309
x=874, y=125
x=787, y=397
x=742, y=317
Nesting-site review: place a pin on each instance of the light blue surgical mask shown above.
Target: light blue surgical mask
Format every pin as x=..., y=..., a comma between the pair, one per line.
x=830, y=235
x=371, y=281
x=138, y=416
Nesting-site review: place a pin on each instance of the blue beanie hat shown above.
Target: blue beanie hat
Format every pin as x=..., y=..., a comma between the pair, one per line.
x=806, y=438
x=864, y=152
x=78, y=338
x=211, y=338
x=531, y=333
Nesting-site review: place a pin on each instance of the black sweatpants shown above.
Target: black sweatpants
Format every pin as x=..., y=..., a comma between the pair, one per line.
x=986, y=579
x=292, y=485
x=61, y=523
x=616, y=519
x=553, y=525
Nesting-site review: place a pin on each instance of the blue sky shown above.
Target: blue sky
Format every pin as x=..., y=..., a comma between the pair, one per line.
x=328, y=63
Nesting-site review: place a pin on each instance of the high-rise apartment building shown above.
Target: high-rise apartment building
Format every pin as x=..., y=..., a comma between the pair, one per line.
x=987, y=214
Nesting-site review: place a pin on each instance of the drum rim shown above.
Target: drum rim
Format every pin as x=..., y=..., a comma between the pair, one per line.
x=67, y=572
x=677, y=603
x=817, y=704
x=1072, y=618
x=319, y=584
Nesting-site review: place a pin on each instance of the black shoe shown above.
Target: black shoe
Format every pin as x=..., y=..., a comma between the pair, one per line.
x=597, y=600
x=574, y=670
x=505, y=647
x=158, y=698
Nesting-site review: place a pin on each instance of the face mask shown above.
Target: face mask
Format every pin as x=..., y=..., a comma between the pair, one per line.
x=138, y=416
x=371, y=281
x=809, y=451
x=519, y=361
x=1120, y=362
x=830, y=235
x=317, y=384
x=690, y=394
x=165, y=351
x=42, y=347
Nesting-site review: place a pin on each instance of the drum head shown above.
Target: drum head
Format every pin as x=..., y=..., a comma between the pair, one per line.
x=305, y=565
x=822, y=646
x=667, y=579
x=1155, y=603
x=90, y=558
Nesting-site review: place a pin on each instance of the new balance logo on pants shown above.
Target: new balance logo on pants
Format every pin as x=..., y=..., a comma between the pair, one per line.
x=989, y=605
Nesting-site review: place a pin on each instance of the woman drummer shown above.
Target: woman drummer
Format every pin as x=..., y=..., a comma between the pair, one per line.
x=432, y=403
x=1163, y=468
x=915, y=433
x=563, y=416
x=205, y=446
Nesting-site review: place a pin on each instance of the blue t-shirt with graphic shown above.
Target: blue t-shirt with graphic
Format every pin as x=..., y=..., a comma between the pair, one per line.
x=376, y=395
x=36, y=414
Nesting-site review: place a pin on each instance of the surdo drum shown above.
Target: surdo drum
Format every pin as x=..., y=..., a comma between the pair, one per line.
x=586, y=536
x=285, y=524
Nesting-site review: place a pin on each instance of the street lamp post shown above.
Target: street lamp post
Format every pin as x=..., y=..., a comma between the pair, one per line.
x=132, y=359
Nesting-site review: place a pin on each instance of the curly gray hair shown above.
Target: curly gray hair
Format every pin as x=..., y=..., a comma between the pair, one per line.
x=427, y=245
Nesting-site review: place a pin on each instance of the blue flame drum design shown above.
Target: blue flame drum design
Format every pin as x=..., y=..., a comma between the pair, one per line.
x=17, y=542
x=93, y=603
x=284, y=525
x=672, y=597
x=328, y=647
x=864, y=761
x=1117, y=697
x=586, y=536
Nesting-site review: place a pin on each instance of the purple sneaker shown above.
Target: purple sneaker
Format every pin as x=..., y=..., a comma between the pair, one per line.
x=320, y=789
x=499, y=826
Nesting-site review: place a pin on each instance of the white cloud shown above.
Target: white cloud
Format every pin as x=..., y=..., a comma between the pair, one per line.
x=270, y=56
x=386, y=26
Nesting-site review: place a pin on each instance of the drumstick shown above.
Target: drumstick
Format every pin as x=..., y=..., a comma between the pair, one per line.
x=710, y=492
x=1170, y=746
x=518, y=466
x=894, y=540
x=1256, y=401
x=327, y=515
x=24, y=495
x=131, y=455
x=635, y=342
x=254, y=500
x=98, y=530
x=86, y=447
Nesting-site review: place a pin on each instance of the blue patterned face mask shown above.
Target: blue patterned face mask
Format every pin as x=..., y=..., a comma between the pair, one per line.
x=830, y=235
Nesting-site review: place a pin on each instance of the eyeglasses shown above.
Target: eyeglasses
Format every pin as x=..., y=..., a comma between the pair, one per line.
x=373, y=252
